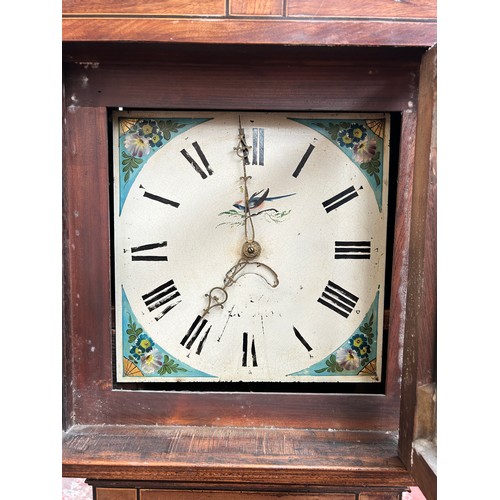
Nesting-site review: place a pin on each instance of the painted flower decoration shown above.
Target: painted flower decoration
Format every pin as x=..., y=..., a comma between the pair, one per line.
x=358, y=342
x=365, y=150
x=142, y=345
x=348, y=359
x=358, y=132
x=151, y=361
x=136, y=145
x=351, y=135
x=365, y=350
x=346, y=138
x=145, y=342
x=147, y=128
x=156, y=141
x=136, y=352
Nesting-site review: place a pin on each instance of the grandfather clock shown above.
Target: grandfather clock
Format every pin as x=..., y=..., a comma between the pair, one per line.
x=249, y=241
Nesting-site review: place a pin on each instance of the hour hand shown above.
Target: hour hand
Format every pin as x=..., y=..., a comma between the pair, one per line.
x=242, y=150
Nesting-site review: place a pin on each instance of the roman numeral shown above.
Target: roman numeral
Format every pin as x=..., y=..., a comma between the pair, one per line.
x=302, y=340
x=155, y=197
x=253, y=353
x=341, y=198
x=303, y=161
x=337, y=299
x=352, y=249
x=194, y=164
x=197, y=329
x=257, y=146
x=160, y=296
x=146, y=256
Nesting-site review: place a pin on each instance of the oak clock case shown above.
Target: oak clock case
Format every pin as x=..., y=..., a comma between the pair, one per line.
x=249, y=247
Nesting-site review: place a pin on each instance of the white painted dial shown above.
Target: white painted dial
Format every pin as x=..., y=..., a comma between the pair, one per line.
x=318, y=203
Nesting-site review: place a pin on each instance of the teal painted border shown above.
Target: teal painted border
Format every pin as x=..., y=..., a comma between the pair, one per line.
x=154, y=133
x=363, y=338
x=141, y=344
x=355, y=132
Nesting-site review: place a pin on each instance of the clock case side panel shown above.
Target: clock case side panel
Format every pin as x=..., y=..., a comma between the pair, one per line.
x=88, y=264
x=417, y=442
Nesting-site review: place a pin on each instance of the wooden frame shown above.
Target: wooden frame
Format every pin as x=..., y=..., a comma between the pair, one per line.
x=105, y=437
x=295, y=22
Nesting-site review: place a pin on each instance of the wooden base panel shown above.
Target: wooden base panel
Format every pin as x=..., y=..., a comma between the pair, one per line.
x=161, y=491
x=247, y=456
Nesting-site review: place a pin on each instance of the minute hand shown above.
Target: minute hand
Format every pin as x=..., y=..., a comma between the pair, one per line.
x=242, y=151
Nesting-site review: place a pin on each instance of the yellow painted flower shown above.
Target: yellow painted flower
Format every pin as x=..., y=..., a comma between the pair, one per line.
x=145, y=344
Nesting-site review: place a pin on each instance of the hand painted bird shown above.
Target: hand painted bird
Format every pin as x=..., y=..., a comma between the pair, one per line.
x=257, y=199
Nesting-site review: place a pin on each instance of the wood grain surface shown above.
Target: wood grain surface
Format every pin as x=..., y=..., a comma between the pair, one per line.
x=421, y=319
x=390, y=9
x=252, y=31
x=419, y=363
x=228, y=495
x=144, y=7
x=373, y=9
x=234, y=455
x=256, y=8
x=291, y=22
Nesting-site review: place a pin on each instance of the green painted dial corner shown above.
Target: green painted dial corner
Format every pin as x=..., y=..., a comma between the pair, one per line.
x=146, y=358
x=354, y=355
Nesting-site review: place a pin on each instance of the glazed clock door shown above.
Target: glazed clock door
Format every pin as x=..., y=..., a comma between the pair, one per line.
x=249, y=246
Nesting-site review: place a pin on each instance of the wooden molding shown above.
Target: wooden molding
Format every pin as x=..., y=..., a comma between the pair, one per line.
x=234, y=455
x=252, y=31
x=312, y=9
x=421, y=310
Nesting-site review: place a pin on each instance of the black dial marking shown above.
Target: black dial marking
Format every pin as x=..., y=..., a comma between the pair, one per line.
x=302, y=339
x=338, y=299
x=198, y=327
x=303, y=161
x=339, y=199
x=193, y=162
x=253, y=352
x=164, y=294
x=148, y=257
x=258, y=146
x=165, y=201
x=352, y=249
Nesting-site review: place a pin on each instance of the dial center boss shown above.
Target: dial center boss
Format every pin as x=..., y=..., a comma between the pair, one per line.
x=251, y=249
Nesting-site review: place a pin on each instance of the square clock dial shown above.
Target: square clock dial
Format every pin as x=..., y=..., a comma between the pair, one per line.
x=249, y=247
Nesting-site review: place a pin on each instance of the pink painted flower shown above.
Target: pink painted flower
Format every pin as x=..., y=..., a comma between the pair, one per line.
x=365, y=150
x=136, y=145
x=347, y=359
